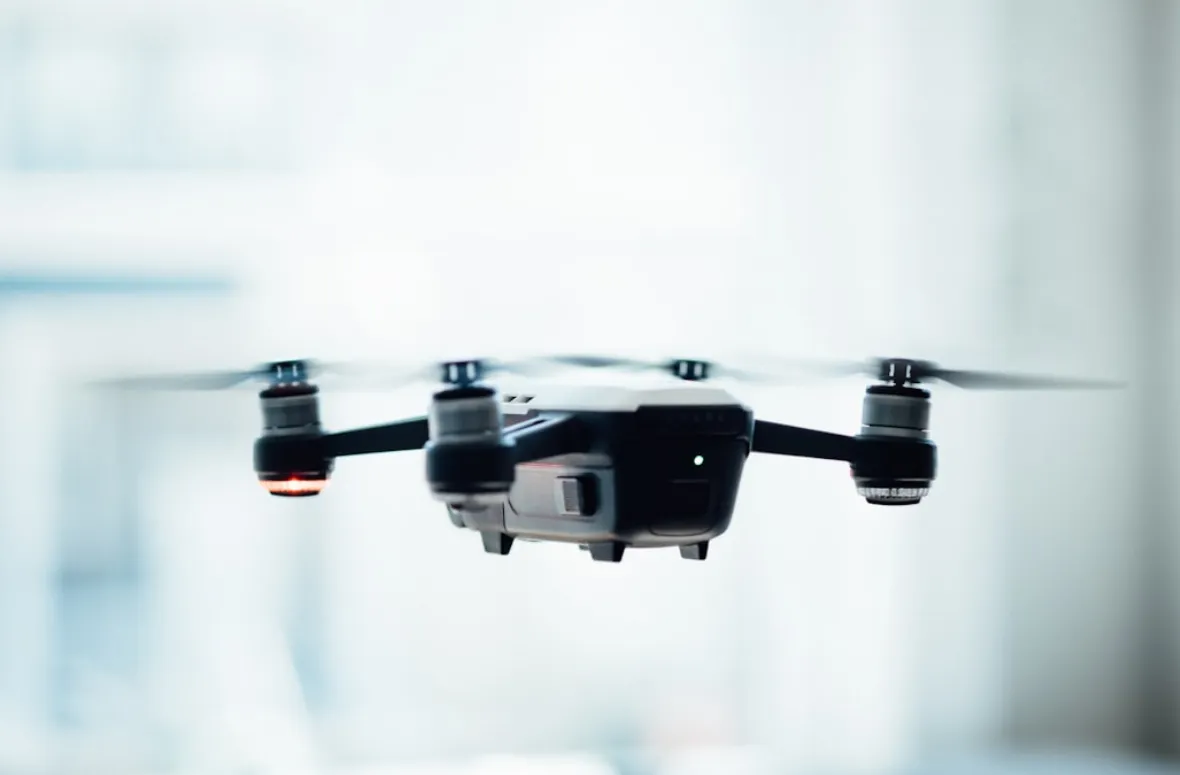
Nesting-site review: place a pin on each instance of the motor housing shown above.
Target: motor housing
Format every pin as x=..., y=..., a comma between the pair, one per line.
x=469, y=463
x=896, y=461
x=288, y=456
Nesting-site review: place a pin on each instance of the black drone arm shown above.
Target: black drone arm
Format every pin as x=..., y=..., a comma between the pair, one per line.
x=774, y=439
x=536, y=439
x=548, y=436
x=400, y=436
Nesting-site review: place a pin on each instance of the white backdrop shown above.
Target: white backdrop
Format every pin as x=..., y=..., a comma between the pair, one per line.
x=795, y=178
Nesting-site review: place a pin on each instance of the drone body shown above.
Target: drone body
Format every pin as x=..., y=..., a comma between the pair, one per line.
x=646, y=468
x=607, y=468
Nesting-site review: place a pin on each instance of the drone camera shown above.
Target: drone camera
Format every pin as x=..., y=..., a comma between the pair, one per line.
x=288, y=458
x=896, y=461
x=469, y=463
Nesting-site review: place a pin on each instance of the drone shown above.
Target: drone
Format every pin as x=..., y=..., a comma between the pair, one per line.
x=606, y=468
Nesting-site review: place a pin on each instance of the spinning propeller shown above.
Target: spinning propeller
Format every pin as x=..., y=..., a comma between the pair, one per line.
x=302, y=371
x=894, y=371
x=899, y=372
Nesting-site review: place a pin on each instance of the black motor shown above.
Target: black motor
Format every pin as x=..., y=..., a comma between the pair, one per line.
x=469, y=463
x=896, y=462
x=288, y=457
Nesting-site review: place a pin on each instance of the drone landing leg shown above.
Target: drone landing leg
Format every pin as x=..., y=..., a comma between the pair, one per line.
x=607, y=551
x=497, y=543
x=695, y=551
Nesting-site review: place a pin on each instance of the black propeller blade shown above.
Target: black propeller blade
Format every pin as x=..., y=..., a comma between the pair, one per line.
x=278, y=372
x=898, y=371
x=689, y=369
x=984, y=380
x=360, y=375
x=903, y=371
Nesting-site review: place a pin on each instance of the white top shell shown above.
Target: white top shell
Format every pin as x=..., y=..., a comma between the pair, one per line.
x=609, y=398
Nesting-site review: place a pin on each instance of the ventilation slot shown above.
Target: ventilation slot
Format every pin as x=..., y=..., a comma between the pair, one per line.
x=577, y=496
x=571, y=500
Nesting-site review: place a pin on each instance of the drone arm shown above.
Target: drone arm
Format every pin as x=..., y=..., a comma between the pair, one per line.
x=547, y=436
x=774, y=439
x=534, y=440
x=393, y=437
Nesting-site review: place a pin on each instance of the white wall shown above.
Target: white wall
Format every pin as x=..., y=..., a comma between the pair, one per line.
x=1073, y=550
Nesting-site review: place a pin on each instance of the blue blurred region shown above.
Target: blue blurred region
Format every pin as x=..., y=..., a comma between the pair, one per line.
x=21, y=285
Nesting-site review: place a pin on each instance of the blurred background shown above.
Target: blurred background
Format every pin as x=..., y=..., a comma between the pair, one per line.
x=985, y=182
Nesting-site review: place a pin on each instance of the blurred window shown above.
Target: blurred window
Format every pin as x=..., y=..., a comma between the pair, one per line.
x=141, y=96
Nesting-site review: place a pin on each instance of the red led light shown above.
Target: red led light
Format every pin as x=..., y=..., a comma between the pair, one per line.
x=294, y=486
